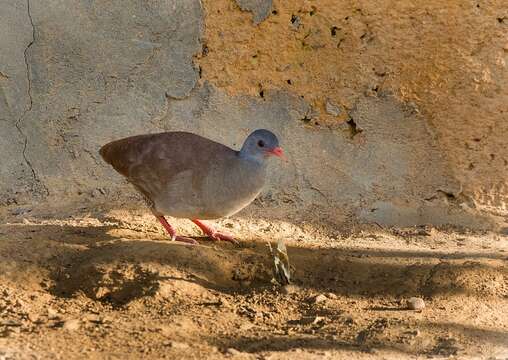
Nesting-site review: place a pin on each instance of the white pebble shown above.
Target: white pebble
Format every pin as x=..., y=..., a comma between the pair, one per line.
x=415, y=303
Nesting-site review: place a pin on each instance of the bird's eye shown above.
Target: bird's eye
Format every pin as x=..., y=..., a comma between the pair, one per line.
x=261, y=143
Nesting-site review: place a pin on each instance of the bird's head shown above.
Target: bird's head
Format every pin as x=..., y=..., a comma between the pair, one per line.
x=261, y=144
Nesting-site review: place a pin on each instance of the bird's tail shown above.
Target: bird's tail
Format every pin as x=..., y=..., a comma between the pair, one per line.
x=105, y=152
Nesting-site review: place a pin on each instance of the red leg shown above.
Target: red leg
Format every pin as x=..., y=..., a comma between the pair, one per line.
x=212, y=233
x=172, y=231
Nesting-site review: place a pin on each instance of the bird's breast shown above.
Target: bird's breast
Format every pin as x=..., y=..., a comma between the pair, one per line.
x=228, y=191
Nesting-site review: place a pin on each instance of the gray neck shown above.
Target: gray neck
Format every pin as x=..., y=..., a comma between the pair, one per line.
x=257, y=159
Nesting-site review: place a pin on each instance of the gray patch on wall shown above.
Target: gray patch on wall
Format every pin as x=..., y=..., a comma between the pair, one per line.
x=96, y=71
x=260, y=9
x=15, y=37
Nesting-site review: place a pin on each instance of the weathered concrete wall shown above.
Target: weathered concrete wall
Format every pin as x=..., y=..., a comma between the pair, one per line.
x=390, y=112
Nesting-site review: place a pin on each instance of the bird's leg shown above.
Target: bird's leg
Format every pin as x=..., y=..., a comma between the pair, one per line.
x=172, y=231
x=212, y=233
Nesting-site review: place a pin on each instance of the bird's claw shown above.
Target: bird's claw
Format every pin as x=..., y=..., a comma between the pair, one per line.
x=220, y=236
x=184, y=239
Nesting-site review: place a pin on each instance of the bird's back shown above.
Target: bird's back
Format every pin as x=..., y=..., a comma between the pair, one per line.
x=155, y=152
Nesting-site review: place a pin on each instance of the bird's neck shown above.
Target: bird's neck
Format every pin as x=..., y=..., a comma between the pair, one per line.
x=256, y=160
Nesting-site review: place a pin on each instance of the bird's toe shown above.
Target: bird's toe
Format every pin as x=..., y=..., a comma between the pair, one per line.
x=223, y=237
x=186, y=240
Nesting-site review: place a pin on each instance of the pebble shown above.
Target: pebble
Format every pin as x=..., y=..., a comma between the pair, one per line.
x=320, y=299
x=71, y=324
x=178, y=345
x=331, y=296
x=415, y=303
x=319, y=319
x=34, y=317
x=233, y=351
x=96, y=319
x=53, y=314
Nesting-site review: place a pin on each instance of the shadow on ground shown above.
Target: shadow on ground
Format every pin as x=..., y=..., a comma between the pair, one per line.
x=133, y=264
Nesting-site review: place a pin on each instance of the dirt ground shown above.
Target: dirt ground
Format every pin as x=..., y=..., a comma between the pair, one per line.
x=111, y=286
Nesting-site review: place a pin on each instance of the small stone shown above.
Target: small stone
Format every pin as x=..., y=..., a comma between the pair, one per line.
x=93, y=319
x=101, y=292
x=318, y=320
x=320, y=299
x=53, y=314
x=331, y=296
x=179, y=345
x=233, y=352
x=415, y=303
x=34, y=317
x=71, y=324
x=332, y=108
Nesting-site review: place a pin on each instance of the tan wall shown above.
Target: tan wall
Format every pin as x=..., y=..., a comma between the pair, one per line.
x=446, y=58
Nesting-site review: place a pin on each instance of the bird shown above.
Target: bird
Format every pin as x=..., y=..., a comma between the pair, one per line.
x=185, y=175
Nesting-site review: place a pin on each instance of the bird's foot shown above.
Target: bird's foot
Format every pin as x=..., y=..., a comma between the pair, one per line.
x=222, y=236
x=213, y=234
x=184, y=239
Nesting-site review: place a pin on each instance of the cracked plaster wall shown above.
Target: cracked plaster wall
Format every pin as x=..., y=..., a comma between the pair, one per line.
x=74, y=76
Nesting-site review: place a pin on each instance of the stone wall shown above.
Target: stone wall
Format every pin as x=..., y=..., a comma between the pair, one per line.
x=390, y=112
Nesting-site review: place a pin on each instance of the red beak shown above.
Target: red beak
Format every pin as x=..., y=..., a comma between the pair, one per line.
x=277, y=151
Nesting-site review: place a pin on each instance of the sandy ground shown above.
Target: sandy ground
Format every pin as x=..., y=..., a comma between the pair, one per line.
x=113, y=287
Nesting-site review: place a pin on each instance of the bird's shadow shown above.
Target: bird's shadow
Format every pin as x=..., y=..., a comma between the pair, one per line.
x=227, y=267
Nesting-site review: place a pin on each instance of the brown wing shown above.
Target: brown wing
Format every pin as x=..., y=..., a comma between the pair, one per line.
x=154, y=162
x=123, y=153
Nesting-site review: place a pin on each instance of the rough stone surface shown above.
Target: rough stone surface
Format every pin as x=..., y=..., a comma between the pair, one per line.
x=415, y=303
x=420, y=137
x=99, y=71
x=15, y=101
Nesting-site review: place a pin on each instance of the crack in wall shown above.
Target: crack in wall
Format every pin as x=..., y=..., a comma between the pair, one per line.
x=30, y=103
